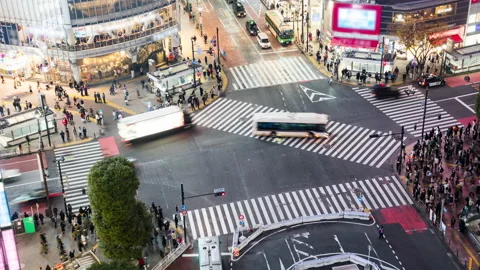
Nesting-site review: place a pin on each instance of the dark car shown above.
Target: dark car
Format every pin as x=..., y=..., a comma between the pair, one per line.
x=251, y=27
x=430, y=80
x=382, y=90
x=239, y=10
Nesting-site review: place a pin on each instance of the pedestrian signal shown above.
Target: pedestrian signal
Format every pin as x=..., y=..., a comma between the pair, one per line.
x=219, y=192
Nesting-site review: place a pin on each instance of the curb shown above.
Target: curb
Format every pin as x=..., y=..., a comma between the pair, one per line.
x=74, y=142
x=224, y=89
x=325, y=72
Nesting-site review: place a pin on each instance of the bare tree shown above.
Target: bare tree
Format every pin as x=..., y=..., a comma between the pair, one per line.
x=419, y=38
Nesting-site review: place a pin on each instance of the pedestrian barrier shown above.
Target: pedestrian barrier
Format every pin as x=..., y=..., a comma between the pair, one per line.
x=171, y=257
x=303, y=220
x=346, y=257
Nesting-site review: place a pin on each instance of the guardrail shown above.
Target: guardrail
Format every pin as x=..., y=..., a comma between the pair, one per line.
x=171, y=257
x=341, y=258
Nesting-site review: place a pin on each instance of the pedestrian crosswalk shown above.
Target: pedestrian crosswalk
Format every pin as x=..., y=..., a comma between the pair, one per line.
x=408, y=110
x=346, y=142
x=375, y=193
x=75, y=169
x=273, y=72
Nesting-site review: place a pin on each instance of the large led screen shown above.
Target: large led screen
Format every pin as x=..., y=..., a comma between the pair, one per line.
x=351, y=18
x=4, y=212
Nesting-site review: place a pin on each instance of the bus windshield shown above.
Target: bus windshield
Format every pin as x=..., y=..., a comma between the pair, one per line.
x=286, y=34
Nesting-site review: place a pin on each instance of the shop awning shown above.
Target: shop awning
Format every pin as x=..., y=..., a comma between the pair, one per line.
x=355, y=43
x=442, y=40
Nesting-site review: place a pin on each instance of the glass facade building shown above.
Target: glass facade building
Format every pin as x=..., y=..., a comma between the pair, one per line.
x=84, y=39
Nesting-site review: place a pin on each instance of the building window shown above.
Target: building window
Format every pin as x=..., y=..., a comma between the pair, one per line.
x=444, y=10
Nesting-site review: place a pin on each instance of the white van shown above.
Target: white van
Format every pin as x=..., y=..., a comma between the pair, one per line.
x=262, y=39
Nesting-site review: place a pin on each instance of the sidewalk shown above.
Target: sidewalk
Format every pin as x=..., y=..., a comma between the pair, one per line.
x=459, y=80
x=28, y=245
x=458, y=242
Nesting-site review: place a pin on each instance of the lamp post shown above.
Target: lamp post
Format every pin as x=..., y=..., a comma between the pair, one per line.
x=218, y=48
x=294, y=18
x=400, y=158
x=424, y=111
x=442, y=66
x=303, y=14
x=44, y=112
x=40, y=139
x=59, y=160
x=193, y=66
x=200, y=20
x=381, y=58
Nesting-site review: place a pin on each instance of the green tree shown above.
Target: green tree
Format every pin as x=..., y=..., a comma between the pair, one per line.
x=418, y=37
x=477, y=106
x=114, y=265
x=123, y=224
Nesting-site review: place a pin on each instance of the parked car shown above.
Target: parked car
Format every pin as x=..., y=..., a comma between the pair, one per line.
x=262, y=39
x=382, y=91
x=239, y=10
x=430, y=80
x=251, y=27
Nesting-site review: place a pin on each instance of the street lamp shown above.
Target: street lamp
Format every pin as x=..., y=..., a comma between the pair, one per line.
x=200, y=20
x=193, y=65
x=444, y=56
x=294, y=18
x=400, y=158
x=40, y=140
x=424, y=111
x=59, y=160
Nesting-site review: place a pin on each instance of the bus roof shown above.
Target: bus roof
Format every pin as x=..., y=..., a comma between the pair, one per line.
x=288, y=117
x=150, y=115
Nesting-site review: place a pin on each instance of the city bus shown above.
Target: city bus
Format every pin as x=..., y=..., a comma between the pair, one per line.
x=152, y=123
x=281, y=30
x=209, y=253
x=286, y=124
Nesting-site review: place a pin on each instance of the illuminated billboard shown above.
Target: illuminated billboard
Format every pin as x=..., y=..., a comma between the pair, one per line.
x=352, y=18
x=4, y=212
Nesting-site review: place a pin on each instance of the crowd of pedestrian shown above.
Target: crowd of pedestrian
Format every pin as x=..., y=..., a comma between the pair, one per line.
x=436, y=187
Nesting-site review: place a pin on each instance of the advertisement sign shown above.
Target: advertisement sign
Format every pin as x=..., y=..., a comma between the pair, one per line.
x=475, y=1
x=353, y=18
x=11, y=250
x=4, y=212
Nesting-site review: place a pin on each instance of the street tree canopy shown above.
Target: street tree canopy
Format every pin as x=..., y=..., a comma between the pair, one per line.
x=114, y=265
x=419, y=38
x=123, y=224
x=477, y=106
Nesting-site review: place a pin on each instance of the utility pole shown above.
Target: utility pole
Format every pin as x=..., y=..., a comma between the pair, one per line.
x=193, y=65
x=303, y=14
x=218, y=49
x=307, y=20
x=58, y=160
x=424, y=111
x=401, y=150
x=44, y=179
x=184, y=218
x=381, y=58
x=44, y=110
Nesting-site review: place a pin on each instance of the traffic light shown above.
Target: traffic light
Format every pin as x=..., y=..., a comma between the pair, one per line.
x=219, y=192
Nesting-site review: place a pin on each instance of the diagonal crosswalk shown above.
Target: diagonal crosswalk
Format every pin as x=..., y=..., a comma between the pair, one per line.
x=273, y=72
x=375, y=193
x=75, y=169
x=346, y=142
x=408, y=110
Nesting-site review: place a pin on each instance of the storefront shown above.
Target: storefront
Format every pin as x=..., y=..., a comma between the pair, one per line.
x=101, y=67
x=19, y=62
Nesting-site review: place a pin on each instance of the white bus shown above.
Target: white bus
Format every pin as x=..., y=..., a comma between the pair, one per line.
x=151, y=123
x=286, y=124
x=209, y=253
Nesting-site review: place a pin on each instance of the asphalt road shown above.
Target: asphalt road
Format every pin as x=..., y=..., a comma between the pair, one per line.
x=204, y=158
x=282, y=250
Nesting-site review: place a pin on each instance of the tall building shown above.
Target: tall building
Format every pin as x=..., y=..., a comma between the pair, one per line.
x=85, y=39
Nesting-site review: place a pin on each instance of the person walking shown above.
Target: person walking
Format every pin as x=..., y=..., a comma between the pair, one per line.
x=176, y=221
x=380, y=233
x=452, y=222
x=62, y=135
x=84, y=131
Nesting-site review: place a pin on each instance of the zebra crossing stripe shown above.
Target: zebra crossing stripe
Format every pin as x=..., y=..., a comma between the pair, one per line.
x=75, y=169
x=407, y=110
x=272, y=72
x=346, y=142
x=227, y=215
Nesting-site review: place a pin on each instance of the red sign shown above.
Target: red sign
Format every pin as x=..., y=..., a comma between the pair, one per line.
x=241, y=217
x=355, y=43
x=354, y=18
x=475, y=1
x=184, y=213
